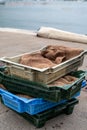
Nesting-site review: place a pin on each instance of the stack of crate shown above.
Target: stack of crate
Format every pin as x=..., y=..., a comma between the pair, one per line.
x=45, y=102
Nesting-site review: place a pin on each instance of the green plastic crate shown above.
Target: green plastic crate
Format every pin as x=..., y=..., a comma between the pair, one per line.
x=40, y=119
x=55, y=93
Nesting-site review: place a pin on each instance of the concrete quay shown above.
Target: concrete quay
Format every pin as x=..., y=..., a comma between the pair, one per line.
x=13, y=43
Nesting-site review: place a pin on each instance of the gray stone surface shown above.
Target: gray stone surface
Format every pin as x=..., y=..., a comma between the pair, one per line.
x=13, y=44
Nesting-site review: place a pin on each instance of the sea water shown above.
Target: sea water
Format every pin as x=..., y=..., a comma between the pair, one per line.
x=32, y=14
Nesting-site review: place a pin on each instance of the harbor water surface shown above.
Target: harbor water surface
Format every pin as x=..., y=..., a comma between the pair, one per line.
x=32, y=14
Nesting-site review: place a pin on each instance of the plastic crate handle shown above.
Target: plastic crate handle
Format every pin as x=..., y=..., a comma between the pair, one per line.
x=73, y=102
x=12, y=103
x=6, y=96
x=22, y=68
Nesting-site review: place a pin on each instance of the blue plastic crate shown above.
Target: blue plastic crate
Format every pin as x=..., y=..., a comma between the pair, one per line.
x=84, y=83
x=30, y=106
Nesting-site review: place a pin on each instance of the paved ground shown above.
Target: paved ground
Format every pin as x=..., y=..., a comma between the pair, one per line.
x=13, y=44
